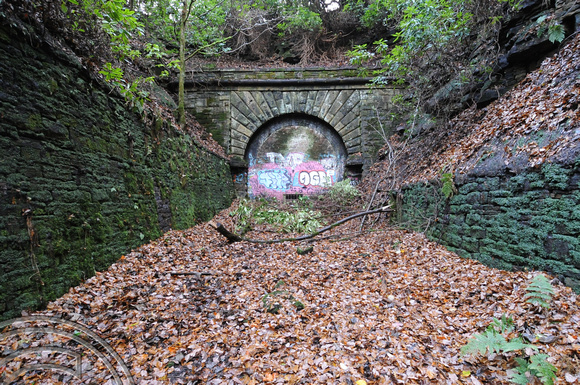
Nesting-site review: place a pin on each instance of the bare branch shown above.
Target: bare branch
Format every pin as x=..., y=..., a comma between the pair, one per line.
x=237, y=238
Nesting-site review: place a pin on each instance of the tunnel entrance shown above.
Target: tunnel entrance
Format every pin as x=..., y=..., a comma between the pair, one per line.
x=292, y=156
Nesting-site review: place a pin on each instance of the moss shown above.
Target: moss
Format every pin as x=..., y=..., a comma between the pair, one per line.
x=531, y=220
x=34, y=121
x=556, y=176
x=92, y=192
x=52, y=85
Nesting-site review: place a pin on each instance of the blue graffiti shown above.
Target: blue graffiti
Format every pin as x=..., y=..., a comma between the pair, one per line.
x=240, y=178
x=274, y=179
x=251, y=160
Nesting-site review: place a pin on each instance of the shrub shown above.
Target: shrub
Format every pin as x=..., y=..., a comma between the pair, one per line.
x=343, y=192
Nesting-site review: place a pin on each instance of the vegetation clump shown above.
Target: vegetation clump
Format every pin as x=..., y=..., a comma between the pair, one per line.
x=343, y=192
x=494, y=340
x=288, y=219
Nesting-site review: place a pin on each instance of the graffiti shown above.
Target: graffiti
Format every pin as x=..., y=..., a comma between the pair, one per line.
x=251, y=160
x=274, y=174
x=274, y=179
x=294, y=159
x=240, y=178
x=328, y=161
x=314, y=178
x=275, y=157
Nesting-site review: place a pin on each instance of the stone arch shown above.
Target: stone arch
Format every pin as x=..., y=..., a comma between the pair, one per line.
x=339, y=108
x=293, y=155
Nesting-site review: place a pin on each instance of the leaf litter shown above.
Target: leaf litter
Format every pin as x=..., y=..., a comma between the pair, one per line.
x=386, y=307
x=538, y=121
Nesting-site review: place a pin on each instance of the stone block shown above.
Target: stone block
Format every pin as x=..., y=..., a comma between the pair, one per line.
x=271, y=102
x=241, y=129
x=236, y=150
x=327, y=104
x=238, y=136
x=310, y=103
x=262, y=106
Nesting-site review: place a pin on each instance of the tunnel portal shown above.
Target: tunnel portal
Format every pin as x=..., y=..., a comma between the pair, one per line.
x=293, y=156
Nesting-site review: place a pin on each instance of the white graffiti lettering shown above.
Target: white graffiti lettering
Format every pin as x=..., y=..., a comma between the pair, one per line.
x=314, y=178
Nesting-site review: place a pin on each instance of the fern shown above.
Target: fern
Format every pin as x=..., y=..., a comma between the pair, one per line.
x=539, y=291
x=538, y=366
x=448, y=188
x=490, y=340
x=516, y=344
x=493, y=342
x=541, y=368
x=503, y=325
x=519, y=376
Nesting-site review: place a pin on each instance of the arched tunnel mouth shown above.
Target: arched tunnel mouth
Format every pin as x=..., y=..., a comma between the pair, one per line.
x=292, y=156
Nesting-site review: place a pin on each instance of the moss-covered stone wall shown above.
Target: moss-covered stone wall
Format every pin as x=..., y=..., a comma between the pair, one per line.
x=82, y=179
x=528, y=220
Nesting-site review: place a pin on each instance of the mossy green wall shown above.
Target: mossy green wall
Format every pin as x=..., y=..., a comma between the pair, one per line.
x=82, y=179
x=529, y=220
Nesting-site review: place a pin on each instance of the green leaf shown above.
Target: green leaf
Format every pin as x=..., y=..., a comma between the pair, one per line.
x=505, y=324
x=517, y=344
x=556, y=33
x=544, y=370
x=519, y=378
x=539, y=291
x=488, y=341
x=448, y=188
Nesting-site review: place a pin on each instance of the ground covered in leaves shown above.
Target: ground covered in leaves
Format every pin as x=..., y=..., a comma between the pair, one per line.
x=538, y=121
x=385, y=307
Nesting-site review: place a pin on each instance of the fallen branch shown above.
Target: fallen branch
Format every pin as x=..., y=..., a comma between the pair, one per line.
x=237, y=238
x=198, y=274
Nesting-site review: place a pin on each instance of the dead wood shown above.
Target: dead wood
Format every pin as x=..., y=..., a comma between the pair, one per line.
x=198, y=274
x=237, y=238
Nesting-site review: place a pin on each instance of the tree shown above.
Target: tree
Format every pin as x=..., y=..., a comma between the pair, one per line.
x=206, y=34
x=185, y=12
x=440, y=50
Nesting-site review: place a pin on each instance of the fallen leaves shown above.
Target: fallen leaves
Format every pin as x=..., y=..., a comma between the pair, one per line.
x=386, y=307
x=538, y=120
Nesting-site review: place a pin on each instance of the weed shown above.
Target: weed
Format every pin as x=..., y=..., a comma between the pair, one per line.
x=300, y=219
x=448, y=189
x=343, y=192
x=539, y=291
x=494, y=340
x=272, y=302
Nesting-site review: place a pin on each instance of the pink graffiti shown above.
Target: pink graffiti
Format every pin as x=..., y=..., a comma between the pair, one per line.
x=275, y=180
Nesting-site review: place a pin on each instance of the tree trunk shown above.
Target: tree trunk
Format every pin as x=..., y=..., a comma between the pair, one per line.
x=181, y=90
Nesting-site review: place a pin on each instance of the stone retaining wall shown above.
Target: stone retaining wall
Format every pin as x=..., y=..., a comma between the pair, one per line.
x=530, y=220
x=82, y=179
